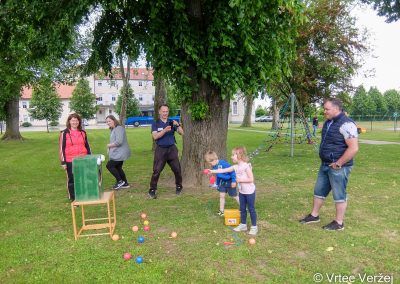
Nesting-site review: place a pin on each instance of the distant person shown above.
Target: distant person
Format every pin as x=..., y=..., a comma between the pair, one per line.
x=247, y=188
x=226, y=183
x=166, y=151
x=73, y=143
x=118, y=152
x=338, y=146
x=315, y=125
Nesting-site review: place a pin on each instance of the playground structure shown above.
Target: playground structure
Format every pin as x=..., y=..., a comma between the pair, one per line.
x=292, y=128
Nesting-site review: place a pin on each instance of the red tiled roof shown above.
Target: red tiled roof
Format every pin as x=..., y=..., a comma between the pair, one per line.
x=136, y=74
x=64, y=91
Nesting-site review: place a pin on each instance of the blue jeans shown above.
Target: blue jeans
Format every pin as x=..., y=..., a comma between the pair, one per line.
x=332, y=180
x=249, y=201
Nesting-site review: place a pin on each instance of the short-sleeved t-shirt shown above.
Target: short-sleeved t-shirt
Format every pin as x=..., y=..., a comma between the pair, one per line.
x=246, y=187
x=168, y=139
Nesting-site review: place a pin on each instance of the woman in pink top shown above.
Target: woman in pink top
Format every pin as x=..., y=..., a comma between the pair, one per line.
x=247, y=188
x=73, y=143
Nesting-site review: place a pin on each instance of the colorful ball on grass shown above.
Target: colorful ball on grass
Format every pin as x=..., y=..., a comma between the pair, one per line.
x=135, y=228
x=252, y=241
x=146, y=222
x=146, y=228
x=140, y=239
x=127, y=256
x=174, y=235
x=143, y=215
x=115, y=237
x=139, y=260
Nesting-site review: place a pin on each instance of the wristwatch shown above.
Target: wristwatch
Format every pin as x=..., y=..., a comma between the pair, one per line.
x=338, y=166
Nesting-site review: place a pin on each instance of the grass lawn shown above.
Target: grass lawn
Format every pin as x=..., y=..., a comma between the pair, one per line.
x=37, y=244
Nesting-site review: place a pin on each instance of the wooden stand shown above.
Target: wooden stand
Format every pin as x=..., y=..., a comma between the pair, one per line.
x=111, y=216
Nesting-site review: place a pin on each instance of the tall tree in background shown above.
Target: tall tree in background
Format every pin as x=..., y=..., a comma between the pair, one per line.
x=329, y=49
x=45, y=103
x=83, y=101
x=378, y=100
x=363, y=106
x=34, y=37
x=132, y=103
x=392, y=98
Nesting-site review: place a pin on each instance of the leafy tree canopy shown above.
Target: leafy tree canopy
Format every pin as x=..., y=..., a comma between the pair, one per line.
x=132, y=107
x=386, y=8
x=83, y=101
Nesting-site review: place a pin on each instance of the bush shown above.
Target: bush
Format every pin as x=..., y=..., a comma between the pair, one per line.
x=26, y=124
x=53, y=123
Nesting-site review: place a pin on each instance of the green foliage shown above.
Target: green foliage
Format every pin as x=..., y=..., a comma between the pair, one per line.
x=260, y=111
x=199, y=110
x=329, y=49
x=386, y=8
x=45, y=103
x=362, y=103
x=83, y=101
x=132, y=103
x=173, y=100
x=392, y=98
x=53, y=123
x=378, y=100
x=26, y=124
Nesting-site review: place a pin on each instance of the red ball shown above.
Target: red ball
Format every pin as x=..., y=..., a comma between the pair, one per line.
x=206, y=171
x=212, y=179
x=127, y=256
x=146, y=228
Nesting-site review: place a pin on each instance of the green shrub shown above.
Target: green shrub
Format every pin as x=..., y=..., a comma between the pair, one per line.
x=53, y=123
x=26, y=124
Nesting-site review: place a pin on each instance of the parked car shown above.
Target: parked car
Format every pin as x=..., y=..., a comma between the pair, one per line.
x=136, y=121
x=264, y=118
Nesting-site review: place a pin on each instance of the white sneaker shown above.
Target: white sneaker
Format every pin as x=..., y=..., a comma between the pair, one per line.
x=253, y=230
x=241, y=227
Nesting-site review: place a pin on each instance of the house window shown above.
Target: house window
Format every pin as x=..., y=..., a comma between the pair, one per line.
x=113, y=99
x=99, y=84
x=26, y=118
x=99, y=99
x=235, y=108
x=152, y=98
x=113, y=83
x=109, y=111
x=140, y=83
x=140, y=97
x=24, y=105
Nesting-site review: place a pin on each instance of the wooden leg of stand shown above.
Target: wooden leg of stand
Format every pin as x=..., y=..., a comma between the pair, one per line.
x=74, y=221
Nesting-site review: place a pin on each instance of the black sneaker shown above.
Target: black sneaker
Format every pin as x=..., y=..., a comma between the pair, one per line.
x=152, y=194
x=118, y=185
x=309, y=219
x=125, y=185
x=333, y=226
x=179, y=189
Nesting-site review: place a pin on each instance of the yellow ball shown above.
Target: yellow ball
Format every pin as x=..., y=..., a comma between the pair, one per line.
x=146, y=222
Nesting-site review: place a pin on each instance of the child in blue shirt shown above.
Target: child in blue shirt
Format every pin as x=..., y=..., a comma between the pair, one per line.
x=226, y=183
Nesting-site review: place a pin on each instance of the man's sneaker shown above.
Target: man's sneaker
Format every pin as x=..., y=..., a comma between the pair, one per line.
x=152, y=194
x=309, y=219
x=220, y=213
x=333, y=226
x=118, y=185
x=125, y=185
x=241, y=227
x=178, y=189
x=253, y=230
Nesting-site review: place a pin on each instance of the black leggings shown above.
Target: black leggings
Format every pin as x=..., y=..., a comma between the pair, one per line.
x=115, y=168
x=70, y=183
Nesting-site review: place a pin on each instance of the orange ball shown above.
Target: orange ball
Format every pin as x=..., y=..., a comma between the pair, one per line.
x=115, y=237
x=174, y=235
x=135, y=228
x=252, y=241
x=143, y=215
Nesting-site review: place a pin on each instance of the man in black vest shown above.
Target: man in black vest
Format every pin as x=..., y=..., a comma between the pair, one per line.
x=166, y=151
x=339, y=145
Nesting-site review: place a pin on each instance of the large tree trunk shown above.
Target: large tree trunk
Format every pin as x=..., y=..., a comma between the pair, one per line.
x=125, y=84
x=205, y=135
x=160, y=98
x=12, y=120
x=275, y=115
x=249, y=99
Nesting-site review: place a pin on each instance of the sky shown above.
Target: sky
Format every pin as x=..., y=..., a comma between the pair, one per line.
x=385, y=58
